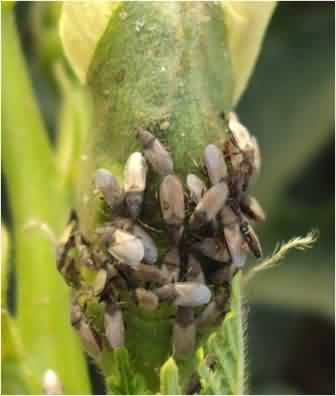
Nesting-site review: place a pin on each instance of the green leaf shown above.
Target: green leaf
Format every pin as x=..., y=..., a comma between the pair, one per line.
x=73, y=126
x=47, y=46
x=7, y=6
x=16, y=375
x=246, y=24
x=30, y=172
x=169, y=378
x=120, y=376
x=222, y=369
x=81, y=27
x=5, y=247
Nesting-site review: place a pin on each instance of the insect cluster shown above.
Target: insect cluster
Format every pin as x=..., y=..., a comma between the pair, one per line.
x=209, y=233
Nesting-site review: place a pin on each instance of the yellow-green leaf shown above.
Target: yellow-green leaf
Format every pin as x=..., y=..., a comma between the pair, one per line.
x=4, y=264
x=83, y=24
x=246, y=24
x=169, y=378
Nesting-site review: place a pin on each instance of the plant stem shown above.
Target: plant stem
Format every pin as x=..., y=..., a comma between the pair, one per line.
x=174, y=77
x=31, y=176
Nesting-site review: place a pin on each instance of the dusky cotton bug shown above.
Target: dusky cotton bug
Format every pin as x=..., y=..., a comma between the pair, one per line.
x=256, y=155
x=247, y=231
x=240, y=133
x=184, y=333
x=171, y=265
x=117, y=283
x=135, y=182
x=222, y=276
x=251, y=238
x=172, y=205
x=89, y=339
x=214, y=311
x=155, y=153
x=252, y=209
x=242, y=165
x=150, y=249
x=214, y=162
x=213, y=248
x=150, y=273
x=196, y=187
x=194, y=272
x=100, y=282
x=208, y=316
x=210, y=205
x=166, y=293
x=128, y=274
x=114, y=282
x=126, y=248
x=65, y=261
x=75, y=313
x=191, y=294
x=67, y=240
x=185, y=294
x=126, y=224
x=109, y=187
x=236, y=245
x=70, y=271
x=114, y=325
x=146, y=299
x=242, y=155
x=111, y=271
x=228, y=216
x=84, y=249
x=122, y=245
x=247, y=159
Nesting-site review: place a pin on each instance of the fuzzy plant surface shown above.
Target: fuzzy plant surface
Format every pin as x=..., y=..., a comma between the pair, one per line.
x=171, y=67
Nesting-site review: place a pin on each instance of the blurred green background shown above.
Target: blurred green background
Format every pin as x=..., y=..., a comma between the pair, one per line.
x=289, y=105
